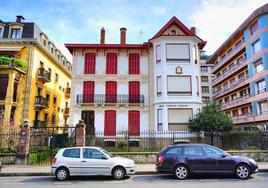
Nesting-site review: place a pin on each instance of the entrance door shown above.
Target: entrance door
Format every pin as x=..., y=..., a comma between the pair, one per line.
x=88, y=117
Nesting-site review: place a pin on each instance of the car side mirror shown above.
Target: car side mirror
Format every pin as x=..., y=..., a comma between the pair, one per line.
x=104, y=157
x=223, y=155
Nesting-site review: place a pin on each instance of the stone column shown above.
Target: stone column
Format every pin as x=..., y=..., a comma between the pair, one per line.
x=23, y=150
x=80, y=134
x=9, y=97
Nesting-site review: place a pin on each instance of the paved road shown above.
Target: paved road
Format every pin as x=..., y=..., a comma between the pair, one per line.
x=259, y=180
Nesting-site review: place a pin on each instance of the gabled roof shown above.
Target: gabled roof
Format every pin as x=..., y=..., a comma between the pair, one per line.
x=181, y=26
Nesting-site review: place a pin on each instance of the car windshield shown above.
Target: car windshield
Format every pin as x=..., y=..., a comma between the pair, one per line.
x=106, y=152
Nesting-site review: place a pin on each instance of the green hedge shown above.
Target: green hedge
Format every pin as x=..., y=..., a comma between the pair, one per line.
x=19, y=63
x=42, y=156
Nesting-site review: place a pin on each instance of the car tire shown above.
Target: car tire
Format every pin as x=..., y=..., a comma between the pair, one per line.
x=62, y=174
x=181, y=172
x=242, y=171
x=119, y=173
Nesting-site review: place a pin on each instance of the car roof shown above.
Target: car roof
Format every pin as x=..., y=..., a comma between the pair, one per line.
x=81, y=147
x=188, y=145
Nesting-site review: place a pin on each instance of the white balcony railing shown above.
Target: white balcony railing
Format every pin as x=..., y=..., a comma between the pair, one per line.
x=232, y=70
x=229, y=55
x=230, y=87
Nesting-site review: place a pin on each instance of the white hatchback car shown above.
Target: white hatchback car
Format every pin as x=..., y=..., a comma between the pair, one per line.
x=90, y=161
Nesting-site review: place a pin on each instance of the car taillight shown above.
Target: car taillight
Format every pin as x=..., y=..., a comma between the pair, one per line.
x=54, y=160
x=161, y=159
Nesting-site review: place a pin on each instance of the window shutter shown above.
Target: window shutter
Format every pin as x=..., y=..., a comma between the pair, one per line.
x=90, y=63
x=134, y=123
x=111, y=91
x=110, y=123
x=111, y=63
x=134, y=91
x=134, y=63
x=88, y=91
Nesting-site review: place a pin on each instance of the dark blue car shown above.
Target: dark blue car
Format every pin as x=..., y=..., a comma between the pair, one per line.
x=185, y=159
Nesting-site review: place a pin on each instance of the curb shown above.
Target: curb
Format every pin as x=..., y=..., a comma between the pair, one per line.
x=49, y=174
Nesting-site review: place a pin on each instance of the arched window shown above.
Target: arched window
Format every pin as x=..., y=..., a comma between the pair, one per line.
x=173, y=32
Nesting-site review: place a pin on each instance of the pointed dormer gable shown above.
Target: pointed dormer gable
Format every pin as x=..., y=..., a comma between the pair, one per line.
x=175, y=27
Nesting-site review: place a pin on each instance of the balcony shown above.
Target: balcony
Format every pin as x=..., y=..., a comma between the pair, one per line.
x=250, y=118
x=236, y=84
x=246, y=118
x=228, y=56
x=43, y=75
x=39, y=124
x=40, y=102
x=229, y=72
x=109, y=99
x=235, y=102
x=67, y=112
x=68, y=92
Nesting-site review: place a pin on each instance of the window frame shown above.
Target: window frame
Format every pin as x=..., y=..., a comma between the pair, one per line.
x=179, y=60
x=17, y=33
x=253, y=46
x=156, y=54
x=159, y=85
x=72, y=149
x=185, y=93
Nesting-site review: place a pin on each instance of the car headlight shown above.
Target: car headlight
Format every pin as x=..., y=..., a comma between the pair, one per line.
x=252, y=161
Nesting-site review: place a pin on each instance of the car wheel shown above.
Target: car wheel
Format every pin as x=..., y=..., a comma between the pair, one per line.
x=62, y=174
x=119, y=173
x=181, y=172
x=242, y=171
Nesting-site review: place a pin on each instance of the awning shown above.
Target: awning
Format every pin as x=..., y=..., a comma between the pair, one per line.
x=11, y=49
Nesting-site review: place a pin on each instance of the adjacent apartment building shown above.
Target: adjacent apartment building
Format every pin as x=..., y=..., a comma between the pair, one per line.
x=35, y=77
x=206, y=79
x=137, y=87
x=241, y=72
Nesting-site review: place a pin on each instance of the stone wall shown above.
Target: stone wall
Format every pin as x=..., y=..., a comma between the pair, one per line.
x=150, y=157
x=7, y=158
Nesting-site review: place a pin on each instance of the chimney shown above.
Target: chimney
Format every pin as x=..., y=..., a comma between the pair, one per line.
x=102, y=36
x=123, y=35
x=193, y=30
x=19, y=18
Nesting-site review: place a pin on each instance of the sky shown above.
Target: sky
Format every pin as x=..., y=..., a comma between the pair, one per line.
x=80, y=21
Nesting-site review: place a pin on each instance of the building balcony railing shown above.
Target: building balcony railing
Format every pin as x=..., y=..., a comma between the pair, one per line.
x=250, y=118
x=229, y=72
x=228, y=56
x=230, y=87
x=109, y=99
x=68, y=92
x=234, y=102
x=40, y=102
x=44, y=75
x=67, y=112
x=243, y=118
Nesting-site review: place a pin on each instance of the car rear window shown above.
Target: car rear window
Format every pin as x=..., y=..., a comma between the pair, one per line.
x=174, y=151
x=72, y=153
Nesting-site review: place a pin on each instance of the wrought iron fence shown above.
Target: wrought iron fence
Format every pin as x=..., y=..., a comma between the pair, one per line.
x=44, y=142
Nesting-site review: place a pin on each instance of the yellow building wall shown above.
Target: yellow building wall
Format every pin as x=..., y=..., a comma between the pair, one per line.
x=12, y=74
x=54, y=88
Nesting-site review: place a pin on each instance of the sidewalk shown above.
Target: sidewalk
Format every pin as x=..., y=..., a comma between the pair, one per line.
x=31, y=170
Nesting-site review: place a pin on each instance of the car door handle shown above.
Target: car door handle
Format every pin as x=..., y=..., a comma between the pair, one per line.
x=83, y=161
